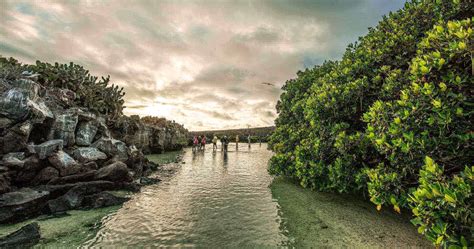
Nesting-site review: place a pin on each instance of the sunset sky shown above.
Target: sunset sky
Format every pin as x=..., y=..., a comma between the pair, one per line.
x=200, y=63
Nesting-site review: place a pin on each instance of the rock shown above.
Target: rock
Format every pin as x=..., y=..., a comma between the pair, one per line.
x=88, y=154
x=5, y=183
x=21, y=204
x=14, y=104
x=26, y=236
x=58, y=190
x=45, y=175
x=21, y=102
x=149, y=181
x=64, y=128
x=63, y=162
x=116, y=172
x=39, y=112
x=28, y=86
x=83, y=177
x=102, y=199
x=16, y=138
x=46, y=149
x=112, y=147
x=31, y=166
x=5, y=123
x=14, y=160
x=91, y=165
x=86, y=132
x=73, y=199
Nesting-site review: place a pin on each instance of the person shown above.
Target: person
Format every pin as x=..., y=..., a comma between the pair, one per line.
x=226, y=143
x=236, y=142
x=195, y=143
x=248, y=140
x=214, y=143
x=203, y=142
x=222, y=143
x=199, y=142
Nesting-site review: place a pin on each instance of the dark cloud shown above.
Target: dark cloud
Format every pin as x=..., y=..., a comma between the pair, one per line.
x=197, y=62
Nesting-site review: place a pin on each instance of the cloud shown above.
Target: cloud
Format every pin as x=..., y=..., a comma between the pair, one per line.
x=200, y=63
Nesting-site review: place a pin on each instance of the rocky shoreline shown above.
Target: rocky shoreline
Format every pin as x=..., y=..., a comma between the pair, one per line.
x=30, y=232
x=57, y=154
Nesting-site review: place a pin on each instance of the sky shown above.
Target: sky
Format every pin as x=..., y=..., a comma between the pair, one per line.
x=200, y=63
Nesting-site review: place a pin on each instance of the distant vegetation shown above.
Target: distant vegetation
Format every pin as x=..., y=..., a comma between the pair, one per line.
x=392, y=120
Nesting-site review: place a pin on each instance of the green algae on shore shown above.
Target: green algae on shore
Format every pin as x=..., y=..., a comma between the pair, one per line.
x=313, y=218
x=69, y=230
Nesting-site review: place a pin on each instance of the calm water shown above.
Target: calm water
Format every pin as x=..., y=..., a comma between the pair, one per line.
x=213, y=200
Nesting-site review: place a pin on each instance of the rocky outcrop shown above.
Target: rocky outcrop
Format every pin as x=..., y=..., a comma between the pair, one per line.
x=151, y=135
x=56, y=152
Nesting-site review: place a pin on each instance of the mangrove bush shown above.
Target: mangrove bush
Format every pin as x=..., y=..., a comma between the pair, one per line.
x=391, y=120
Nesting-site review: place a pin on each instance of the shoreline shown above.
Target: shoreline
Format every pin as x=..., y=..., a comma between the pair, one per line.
x=76, y=227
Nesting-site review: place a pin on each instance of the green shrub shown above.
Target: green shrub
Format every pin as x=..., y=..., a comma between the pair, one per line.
x=443, y=205
x=430, y=116
x=365, y=124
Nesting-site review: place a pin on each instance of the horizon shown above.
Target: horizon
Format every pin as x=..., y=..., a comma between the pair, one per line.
x=207, y=65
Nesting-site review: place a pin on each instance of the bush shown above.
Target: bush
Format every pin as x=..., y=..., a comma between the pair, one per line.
x=429, y=118
x=443, y=205
x=366, y=123
x=92, y=93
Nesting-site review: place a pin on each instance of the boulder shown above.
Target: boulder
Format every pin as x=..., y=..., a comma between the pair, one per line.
x=83, y=177
x=5, y=123
x=58, y=190
x=45, y=175
x=46, y=149
x=64, y=128
x=28, y=86
x=149, y=181
x=21, y=204
x=30, y=168
x=115, y=172
x=21, y=102
x=15, y=138
x=73, y=199
x=112, y=147
x=91, y=165
x=63, y=162
x=86, y=132
x=102, y=199
x=14, y=160
x=24, y=237
x=5, y=183
x=88, y=154
x=14, y=104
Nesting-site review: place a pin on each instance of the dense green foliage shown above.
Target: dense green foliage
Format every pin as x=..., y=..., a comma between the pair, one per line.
x=91, y=92
x=366, y=123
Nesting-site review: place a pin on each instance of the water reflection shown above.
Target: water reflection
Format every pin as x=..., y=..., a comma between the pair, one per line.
x=215, y=199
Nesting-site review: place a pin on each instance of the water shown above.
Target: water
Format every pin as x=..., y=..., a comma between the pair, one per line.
x=213, y=200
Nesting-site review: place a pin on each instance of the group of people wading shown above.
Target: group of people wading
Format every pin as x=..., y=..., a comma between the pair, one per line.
x=199, y=142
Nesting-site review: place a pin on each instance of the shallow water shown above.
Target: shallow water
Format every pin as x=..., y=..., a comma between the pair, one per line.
x=218, y=200
x=213, y=200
